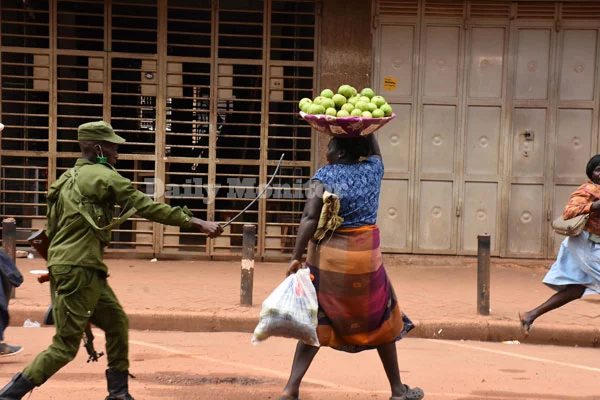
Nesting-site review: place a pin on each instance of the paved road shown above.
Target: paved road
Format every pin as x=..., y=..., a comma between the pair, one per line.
x=199, y=366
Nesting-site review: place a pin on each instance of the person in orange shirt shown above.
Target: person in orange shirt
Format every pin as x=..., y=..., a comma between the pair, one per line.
x=576, y=271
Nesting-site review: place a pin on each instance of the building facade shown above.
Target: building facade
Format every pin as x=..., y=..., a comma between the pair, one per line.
x=496, y=104
x=205, y=92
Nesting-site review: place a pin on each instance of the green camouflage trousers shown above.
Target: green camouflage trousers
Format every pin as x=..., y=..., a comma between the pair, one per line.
x=80, y=295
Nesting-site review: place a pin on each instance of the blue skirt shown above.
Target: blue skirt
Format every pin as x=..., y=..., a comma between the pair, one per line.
x=578, y=263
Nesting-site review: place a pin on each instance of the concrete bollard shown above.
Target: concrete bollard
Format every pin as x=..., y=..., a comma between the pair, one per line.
x=9, y=244
x=247, y=284
x=483, y=274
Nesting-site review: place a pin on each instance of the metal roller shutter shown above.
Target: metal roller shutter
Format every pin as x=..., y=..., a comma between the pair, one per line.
x=207, y=104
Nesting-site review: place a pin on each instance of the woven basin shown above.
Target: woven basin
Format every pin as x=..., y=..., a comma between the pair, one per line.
x=345, y=126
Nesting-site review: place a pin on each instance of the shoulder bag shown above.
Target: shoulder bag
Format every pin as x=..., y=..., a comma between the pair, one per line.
x=570, y=227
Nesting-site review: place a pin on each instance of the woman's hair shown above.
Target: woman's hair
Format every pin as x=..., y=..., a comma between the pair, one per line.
x=356, y=147
x=591, y=165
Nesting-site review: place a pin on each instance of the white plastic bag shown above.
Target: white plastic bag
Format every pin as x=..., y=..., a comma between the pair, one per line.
x=30, y=324
x=290, y=311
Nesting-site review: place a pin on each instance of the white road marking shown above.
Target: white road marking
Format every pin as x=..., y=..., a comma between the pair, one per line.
x=521, y=356
x=328, y=385
x=338, y=387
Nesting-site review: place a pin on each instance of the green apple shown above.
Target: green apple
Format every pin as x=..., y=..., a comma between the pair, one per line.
x=328, y=103
x=348, y=107
x=353, y=100
x=378, y=100
x=347, y=91
x=364, y=98
x=371, y=106
x=316, y=109
x=331, y=111
x=367, y=92
x=367, y=114
x=387, y=109
x=327, y=93
x=305, y=107
x=356, y=112
x=343, y=113
x=339, y=100
x=362, y=106
x=304, y=100
x=377, y=113
x=319, y=100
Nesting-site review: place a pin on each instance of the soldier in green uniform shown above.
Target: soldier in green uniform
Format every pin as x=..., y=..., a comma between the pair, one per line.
x=79, y=220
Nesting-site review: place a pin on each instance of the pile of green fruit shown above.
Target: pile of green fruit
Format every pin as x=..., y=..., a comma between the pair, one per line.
x=347, y=102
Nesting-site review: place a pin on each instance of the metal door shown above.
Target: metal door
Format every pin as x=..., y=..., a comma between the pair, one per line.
x=207, y=105
x=457, y=111
x=438, y=137
x=397, y=46
x=481, y=155
x=499, y=127
x=576, y=113
x=528, y=197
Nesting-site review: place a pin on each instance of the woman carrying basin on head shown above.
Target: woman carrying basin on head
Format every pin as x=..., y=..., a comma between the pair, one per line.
x=358, y=309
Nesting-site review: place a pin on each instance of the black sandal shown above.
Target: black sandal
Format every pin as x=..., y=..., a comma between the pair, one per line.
x=415, y=393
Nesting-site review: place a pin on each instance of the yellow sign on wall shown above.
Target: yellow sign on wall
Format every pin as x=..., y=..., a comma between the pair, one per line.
x=389, y=84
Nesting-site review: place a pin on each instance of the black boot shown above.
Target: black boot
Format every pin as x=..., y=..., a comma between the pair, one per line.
x=117, y=385
x=18, y=387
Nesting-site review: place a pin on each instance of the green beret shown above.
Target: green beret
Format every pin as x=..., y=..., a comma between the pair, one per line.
x=97, y=131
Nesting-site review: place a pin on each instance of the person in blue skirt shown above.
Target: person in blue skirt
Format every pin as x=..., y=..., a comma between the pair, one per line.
x=576, y=271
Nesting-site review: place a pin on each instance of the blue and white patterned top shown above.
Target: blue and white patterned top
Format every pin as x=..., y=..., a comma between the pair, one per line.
x=358, y=186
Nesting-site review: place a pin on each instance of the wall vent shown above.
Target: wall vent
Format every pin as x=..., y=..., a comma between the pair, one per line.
x=541, y=10
x=399, y=8
x=580, y=11
x=491, y=9
x=444, y=9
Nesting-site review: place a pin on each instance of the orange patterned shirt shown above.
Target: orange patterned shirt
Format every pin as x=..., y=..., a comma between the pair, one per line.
x=580, y=203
